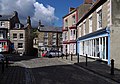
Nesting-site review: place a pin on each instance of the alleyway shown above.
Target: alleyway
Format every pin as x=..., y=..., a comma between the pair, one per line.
x=46, y=71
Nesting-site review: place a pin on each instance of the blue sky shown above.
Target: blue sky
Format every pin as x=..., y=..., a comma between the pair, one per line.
x=61, y=7
x=48, y=11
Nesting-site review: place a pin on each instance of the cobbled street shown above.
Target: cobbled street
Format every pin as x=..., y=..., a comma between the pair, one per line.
x=47, y=71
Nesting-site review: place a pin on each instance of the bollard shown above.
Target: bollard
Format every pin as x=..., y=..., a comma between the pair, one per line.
x=71, y=57
x=66, y=55
x=112, y=67
x=2, y=66
x=6, y=62
x=78, y=58
x=62, y=56
x=86, y=59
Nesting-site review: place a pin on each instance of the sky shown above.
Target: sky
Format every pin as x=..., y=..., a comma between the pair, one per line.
x=50, y=12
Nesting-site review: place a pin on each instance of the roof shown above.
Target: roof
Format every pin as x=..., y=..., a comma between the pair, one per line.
x=70, y=13
x=50, y=29
x=5, y=17
x=97, y=4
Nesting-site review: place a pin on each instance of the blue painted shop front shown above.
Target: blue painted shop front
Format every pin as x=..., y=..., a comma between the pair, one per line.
x=95, y=45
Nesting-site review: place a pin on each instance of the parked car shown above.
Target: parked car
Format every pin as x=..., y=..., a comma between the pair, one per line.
x=44, y=54
x=2, y=57
x=54, y=53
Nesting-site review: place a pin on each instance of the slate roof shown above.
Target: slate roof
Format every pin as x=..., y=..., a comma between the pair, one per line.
x=50, y=29
x=5, y=17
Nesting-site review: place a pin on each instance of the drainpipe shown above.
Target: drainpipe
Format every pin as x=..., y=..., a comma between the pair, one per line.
x=76, y=39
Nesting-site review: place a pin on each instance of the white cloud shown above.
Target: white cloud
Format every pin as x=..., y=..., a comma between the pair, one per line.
x=25, y=8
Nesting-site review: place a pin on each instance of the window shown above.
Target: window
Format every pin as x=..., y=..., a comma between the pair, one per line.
x=17, y=25
x=45, y=41
x=66, y=36
x=66, y=23
x=74, y=32
x=54, y=35
x=20, y=45
x=99, y=21
x=46, y=34
x=73, y=19
x=14, y=36
x=2, y=23
x=90, y=24
x=84, y=28
x=79, y=31
x=1, y=34
x=71, y=32
x=21, y=36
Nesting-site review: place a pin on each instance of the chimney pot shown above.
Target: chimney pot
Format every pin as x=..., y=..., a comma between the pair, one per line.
x=88, y=1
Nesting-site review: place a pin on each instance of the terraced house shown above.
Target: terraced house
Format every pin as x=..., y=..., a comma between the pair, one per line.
x=69, y=27
x=98, y=31
x=48, y=38
x=21, y=38
x=7, y=22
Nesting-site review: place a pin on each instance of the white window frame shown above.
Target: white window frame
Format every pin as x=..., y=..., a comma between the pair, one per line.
x=13, y=36
x=20, y=37
x=73, y=20
x=90, y=24
x=84, y=27
x=98, y=21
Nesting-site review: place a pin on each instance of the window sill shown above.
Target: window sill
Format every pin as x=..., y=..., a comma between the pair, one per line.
x=20, y=48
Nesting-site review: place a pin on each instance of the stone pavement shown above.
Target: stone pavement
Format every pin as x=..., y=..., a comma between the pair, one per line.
x=14, y=74
x=97, y=67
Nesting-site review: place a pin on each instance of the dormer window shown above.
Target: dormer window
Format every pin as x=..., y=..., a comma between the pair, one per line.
x=17, y=25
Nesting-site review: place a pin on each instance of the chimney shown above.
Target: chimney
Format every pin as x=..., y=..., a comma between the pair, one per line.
x=71, y=9
x=15, y=13
x=39, y=22
x=88, y=1
x=28, y=20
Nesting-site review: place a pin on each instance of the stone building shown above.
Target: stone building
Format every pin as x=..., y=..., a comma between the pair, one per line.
x=48, y=38
x=7, y=22
x=98, y=31
x=21, y=38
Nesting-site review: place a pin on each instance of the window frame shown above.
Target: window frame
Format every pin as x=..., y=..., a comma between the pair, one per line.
x=20, y=35
x=19, y=46
x=14, y=34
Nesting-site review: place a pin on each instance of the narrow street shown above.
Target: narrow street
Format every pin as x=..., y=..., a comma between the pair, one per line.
x=47, y=71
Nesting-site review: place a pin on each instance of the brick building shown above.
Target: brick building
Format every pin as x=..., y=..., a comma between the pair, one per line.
x=69, y=26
